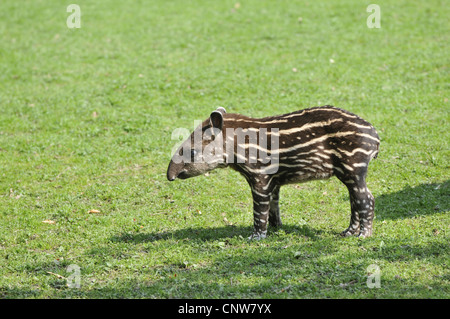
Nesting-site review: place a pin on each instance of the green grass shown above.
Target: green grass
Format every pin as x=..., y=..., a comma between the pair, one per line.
x=86, y=121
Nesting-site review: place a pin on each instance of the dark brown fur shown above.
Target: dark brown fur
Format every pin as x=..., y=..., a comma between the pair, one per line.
x=314, y=143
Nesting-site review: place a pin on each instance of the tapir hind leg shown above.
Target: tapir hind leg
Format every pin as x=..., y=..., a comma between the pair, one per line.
x=362, y=204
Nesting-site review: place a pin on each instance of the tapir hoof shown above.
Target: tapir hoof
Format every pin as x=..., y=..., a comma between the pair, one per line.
x=258, y=235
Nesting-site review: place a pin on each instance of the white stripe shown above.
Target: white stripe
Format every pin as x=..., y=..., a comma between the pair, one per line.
x=323, y=155
x=355, y=151
x=257, y=193
x=270, y=181
x=327, y=165
x=303, y=161
x=368, y=136
x=333, y=152
x=306, y=127
x=347, y=167
x=298, y=155
x=260, y=203
x=330, y=109
x=259, y=121
x=360, y=125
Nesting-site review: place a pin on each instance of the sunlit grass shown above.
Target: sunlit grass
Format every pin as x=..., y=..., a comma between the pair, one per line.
x=86, y=123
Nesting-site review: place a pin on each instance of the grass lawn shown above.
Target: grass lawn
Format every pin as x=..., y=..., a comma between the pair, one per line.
x=86, y=123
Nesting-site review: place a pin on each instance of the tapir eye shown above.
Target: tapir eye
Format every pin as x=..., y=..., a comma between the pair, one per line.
x=193, y=153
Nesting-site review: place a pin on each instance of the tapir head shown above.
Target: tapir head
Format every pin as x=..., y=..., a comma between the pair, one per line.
x=202, y=151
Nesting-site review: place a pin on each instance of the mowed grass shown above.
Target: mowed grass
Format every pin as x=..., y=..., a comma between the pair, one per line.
x=86, y=124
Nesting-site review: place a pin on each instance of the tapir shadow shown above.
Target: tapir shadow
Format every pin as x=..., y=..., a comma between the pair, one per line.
x=421, y=200
x=213, y=233
x=424, y=199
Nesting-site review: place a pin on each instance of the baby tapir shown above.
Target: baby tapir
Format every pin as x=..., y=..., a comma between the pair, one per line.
x=314, y=143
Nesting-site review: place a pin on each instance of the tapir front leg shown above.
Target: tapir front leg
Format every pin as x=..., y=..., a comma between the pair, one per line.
x=274, y=210
x=261, y=206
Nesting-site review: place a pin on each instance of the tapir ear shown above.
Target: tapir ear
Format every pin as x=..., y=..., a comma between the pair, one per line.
x=216, y=118
x=221, y=110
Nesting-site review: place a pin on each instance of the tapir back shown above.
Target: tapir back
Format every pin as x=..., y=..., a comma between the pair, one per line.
x=311, y=144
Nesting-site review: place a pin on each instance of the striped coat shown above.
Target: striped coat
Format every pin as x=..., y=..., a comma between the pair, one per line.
x=314, y=143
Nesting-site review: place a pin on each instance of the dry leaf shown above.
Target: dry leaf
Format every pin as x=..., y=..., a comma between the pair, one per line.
x=227, y=221
x=94, y=211
x=57, y=275
x=48, y=221
x=347, y=284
